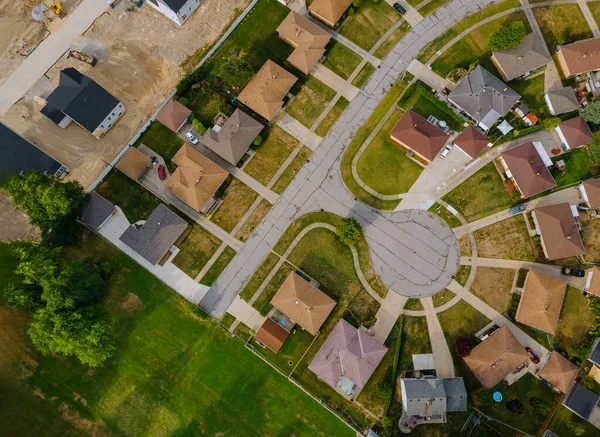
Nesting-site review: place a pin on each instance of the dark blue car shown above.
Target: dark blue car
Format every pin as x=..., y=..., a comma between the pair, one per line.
x=399, y=8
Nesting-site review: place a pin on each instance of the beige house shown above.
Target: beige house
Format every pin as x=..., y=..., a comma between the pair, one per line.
x=579, y=57
x=329, y=11
x=174, y=115
x=133, y=163
x=558, y=231
x=559, y=372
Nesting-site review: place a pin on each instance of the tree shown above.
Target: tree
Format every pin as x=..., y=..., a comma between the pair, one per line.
x=507, y=36
x=184, y=101
x=515, y=407
x=349, y=231
x=356, y=3
x=199, y=126
x=591, y=113
x=550, y=123
x=236, y=70
x=257, y=141
x=463, y=347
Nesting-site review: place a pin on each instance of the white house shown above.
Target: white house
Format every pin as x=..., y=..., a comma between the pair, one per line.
x=177, y=10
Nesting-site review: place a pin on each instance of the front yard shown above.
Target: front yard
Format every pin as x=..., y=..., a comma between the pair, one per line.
x=311, y=101
x=340, y=59
x=237, y=199
x=195, y=250
x=218, y=267
x=590, y=234
x=445, y=215
x=270, y=155
x=370, y=22
x=494, y=287
x=333, y=115
x=562, y=24
x=292, y=170
x=507, y=239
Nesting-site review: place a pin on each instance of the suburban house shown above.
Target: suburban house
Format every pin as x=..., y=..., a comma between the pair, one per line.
x=231, y=137
x=431, y=398
x=20, y=155
x=584, y=403
x=96, y=211
x=271, y=335
x=579, y=57
x=558, y=230
x=574, y=132
x=78, y=98
x=526, y=166
x=592, y=284
x=472, y=142
x=266, y=91
x=303, y=303
x=176, y=10
x=594, y=358
x=308, y=39
x=559, y=372
x=541, y=302
x=133, y=163
x=496, y=357
x=589, y=191
x=329, y=11
x=483, y=97
x=561, y=100
x=415, y=133
x=347, y=359
x=174, y=115
x=154, y=239
x=196, y=179
x=519, y=61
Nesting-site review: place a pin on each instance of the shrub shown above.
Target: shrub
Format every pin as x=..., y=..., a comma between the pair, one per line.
x=356, y=3
x=509, y=35
x=591, y=113
x=349, y=231
x=463, y=347
x=515, y=407
x=226, y=108
x=257, y=141
x=550, y=123
x=183, y=101
x=199, y=127
x=351, y=11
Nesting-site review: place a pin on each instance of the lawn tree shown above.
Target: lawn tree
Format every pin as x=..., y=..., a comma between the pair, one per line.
x=463, y=347
x=591, y=113
x=515, y=407
x=550, y=123
x=349, y=231
x=507, y=36
x=236, y=70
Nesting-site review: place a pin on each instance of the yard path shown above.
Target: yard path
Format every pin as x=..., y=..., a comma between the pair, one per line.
x=300, y=132
x=444, y=366
x=428, y=76
x=335, y=82
x=412, y=16
x=387, y=316
x=589, y=18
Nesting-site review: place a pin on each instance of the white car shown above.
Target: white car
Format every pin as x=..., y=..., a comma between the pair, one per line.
x=445, y=151
x=190, y=136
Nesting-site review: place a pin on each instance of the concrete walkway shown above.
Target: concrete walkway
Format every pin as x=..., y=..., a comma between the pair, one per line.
x=245, y=313
x=300, y=132
x=589, y=18
x=210, y=262
x=444, y=366
x=428, y=76
x=412, y=16
x=356, y=49
x=387, y=316
x=325, y=112
x=335, y=82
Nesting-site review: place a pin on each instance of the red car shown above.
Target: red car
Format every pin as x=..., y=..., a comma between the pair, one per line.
x=162, y=175
x=532, y=355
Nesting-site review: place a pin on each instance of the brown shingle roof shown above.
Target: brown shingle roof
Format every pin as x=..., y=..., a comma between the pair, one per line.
x=418, y=134
x=496, y=357
x=542, y=301
x=329, y=10
x=272, y=335
x=303, y=303
x=576, y=132
x=196, y=179
x=173, y=115
x=558, y=231
x=472, y=142
x=595, y=282
x=592, y=190
x=581, y=56
x=528, y=169
x=133, y=163
x=308, y=39
x=265, y=92
x=559, y=371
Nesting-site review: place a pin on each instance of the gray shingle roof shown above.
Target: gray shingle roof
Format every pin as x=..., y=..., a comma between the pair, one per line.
x=562, y=100
x=528, y=56
x=157, y=235
x=581, y=400
x=484, y=97
x=595, y=355
x=431, y=396
x=96, y=210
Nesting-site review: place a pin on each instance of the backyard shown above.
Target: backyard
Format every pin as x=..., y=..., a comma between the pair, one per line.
x=423, y=102
x=507, y=239
x=532, y=93
x=561, y=24
x=590, y=234
x=579, y=166
x=162, y=141
x=310, y=102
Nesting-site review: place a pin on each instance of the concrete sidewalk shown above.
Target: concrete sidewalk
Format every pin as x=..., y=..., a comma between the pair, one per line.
x=245, y=313
x=335, y=82
x=300, y=132
x=387, y=316
x=444, y=366
x=428, y=76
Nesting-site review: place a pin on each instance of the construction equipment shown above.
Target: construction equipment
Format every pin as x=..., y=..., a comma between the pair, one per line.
x=55, y=7
x=88, y=59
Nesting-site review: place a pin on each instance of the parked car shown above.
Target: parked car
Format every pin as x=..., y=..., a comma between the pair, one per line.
x=534, y=358
x=162, y=175
x=445, y=151
x=517, y=209
x=578, y=273
x=190, y=136
x=583, y=207
x=399, y=8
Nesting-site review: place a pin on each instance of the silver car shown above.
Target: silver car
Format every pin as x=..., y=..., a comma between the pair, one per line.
x=190, y=136
x=445, y=152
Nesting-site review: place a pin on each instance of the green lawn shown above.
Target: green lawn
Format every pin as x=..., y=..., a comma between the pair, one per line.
x=432, y=6
x=174, y=372
x=462, y=274
x=392, y=40
x=383, y=166
x=340, y=59
x=195, y=251
x=474, y=46
x=227, y=320
x=332, y=116
x=136, y=202
x=579, y=163
x=532, y=93
x=311, y=101
x=446, y=215
x=292, y=170
x=292, y=350
x=594, y=8
x=568, y=423
x=259, y=276
x=161, y=140
x=364, y=75
x=270, y=155
x=481, y=195
x=442, y=297
x=206, y=107
x=237, y=199
x=217, y=268
x=414, y=305
x=370, y=22
x=253, y=221
x=507, y=239
x=576, y=319
x=562, y=24
x=425, y=104
x=415, y=340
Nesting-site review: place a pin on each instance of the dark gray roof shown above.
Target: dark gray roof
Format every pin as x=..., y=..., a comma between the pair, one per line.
x=483, y=96
x=82, y=99
x=581, y=400
x=563, y=100
x=434, y=395
x=528, y=56
x=595, y=354
x=18, y=154
x=175, y=5
x=157, y=235
x=96, y=210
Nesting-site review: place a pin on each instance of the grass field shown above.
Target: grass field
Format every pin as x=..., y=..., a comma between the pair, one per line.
x=507, y=239
x=195, y=250
x=259, y=276
x=370, y=22
x=217, y=268
x=237, y=200
x=292, y=350
x=383, y=166
x=432, y=6
x=393, y=39
x=136, y=202
x=311, y=101
x=270, y=155
x=481, y=195
x=340, y=59
x=332, y=116
x=253, y=221
x=562, y=24
x=292, y=170
x=442, y=297
x=462, y=274
x=590, y=234
x=363, y=76
x=579, y=163
x=569, y=423
x=414, y=305
x=415, y=340
x=494, y=287
x=174, y=372
x=594, y=8
x=576, y=319
x=465, y=246
x=446, y=215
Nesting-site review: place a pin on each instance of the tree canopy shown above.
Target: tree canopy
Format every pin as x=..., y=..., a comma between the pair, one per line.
x=349, y=231
x=591, y=113
x=507, y=36
x=236, y=71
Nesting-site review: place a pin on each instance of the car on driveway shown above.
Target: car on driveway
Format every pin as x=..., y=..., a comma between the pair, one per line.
x=190, y=136
x=399, y=8
x=583, y=207
x=534, y=358
x=578, y=273
x=517, y=209
x=162, y=175
x=445, y=152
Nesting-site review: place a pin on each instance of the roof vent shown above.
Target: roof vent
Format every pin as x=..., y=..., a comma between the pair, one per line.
x=505, y=89
x=297, y=301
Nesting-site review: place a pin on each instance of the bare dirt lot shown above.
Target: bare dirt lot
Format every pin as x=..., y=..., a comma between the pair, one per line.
x=139, y=56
